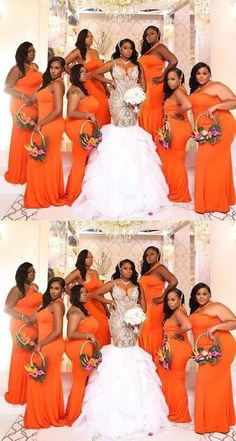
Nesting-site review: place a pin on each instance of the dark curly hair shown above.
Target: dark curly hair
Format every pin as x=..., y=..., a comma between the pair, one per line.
x=47, y=76
x=21, y=55
x=134, y=276
x=193, y=304
x=80, y=42
x=75, y=78
x=75, y=298
x=21, y=276
x=145, y=266
x=166, y=309
x=80, y=263
x=193, y=83
x=46, y=296
x=134, y=56
x=145, y=46
x=166, y=88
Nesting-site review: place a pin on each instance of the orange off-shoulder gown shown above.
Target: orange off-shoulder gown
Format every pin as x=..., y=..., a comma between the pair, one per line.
x=80, y=155
x=214, y=186
x=214, y=407
x=96, y=89
x=17, y=383
x=45, y=406
x=151, y=114
x=79, y=375
x=173, y=380
x=173, y=159
x=17, y=162
x=96, y=310
x=45, y=184
x=151, y=333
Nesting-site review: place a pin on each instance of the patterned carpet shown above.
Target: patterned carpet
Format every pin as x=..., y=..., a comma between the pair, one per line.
x=18, y=433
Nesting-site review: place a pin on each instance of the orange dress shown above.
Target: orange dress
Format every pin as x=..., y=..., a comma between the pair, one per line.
x=96, y=89
x=214, y=407
x=80, y=155
x=173, y=159
x=151, y=114
x=151, y=333
x=17, y=161
x=17, y=382
x=173, y=380
x=79, y=375
x=214, y=187
x=45, y=406
x=96, y=310
x=45, y=185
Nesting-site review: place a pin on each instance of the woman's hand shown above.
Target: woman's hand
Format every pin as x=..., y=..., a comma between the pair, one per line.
x=210, y=331
x=112, y=304
x=211, y=109
x=92, y=117
x=91, y=337
x=156, y=301
x=27, y=320
x=113, y=84
x=157, y=80
x=27, y=99
x=37, y=127
x=37, y=348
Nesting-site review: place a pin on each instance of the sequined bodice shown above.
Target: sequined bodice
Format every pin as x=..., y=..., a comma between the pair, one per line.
x=123, y=336
x=122, y=114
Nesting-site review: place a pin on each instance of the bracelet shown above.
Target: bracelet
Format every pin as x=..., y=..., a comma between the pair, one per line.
x=22, y=317
x=22, y=96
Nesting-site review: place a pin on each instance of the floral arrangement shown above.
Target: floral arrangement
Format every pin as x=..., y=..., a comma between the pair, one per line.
x=37, y=373
x=23, y=120
x=134, y=97
x=211, y=135
x=23, y=341
x=164, y=355
x=211, y=355
x=90, y=362
x=164, y=135
x=90, y=142
x=134, y=317
x=36, y=151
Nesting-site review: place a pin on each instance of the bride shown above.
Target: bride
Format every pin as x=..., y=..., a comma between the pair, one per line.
x=123, y=178
x=123, y=398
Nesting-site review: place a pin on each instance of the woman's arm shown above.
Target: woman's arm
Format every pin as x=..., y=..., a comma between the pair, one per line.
x=71, y=58
x=163, y=52
x=98, y=73
x=9, y=308
x=226, y=96
x=74, y=317
x=13, y=76
x=71, y=278
x=142, y=79
x=226, y=316
x=58, y=92
x=168, y=277
x=58, y=310
x=99, y=293
x=183, y=322
x=182, y=100
x=141, y=300
x=74, y=97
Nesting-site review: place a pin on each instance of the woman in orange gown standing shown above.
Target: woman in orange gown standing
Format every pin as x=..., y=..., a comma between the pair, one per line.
x=214, y=407
x=21, y=303
x=45, y=406
x=154, y=55
x=88, y=277
x=45, y=185
x=22, y=82
x=214, y=187
x=176, y=104
x=81, y=327
x=154, y=276
x=84, y=54
x=176, y=325
x=81, y=109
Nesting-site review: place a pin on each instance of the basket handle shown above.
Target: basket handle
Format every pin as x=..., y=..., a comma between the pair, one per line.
x=26, y=105
x=203, y=334
x=212, y=117
x=25, y=325
x=85, y=343
x=86, y=122
x=42, y=137
x=41, y=355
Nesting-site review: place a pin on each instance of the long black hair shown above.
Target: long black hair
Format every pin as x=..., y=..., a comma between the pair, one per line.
x=46, y=296
x=21, y=276
x=166, y=88
x=47, y=76
x=145, y=46
x=75, y=298
x=80, y=42
x=21, y=55
x=75, y=78
x=166, y=309
x=193, y=83
x=193, y=304
x=134, y=56
x=80, y=263
x=134, y=276
x=145, y=266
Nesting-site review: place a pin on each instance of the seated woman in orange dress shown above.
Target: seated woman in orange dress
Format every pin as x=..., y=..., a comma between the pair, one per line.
x=45, y=184
x=154, y=55
x=22, y=82
x=176, y=104
x=81, y=327
x=84, y=54
x=21, y=303
x=45, y=405
x=88, y=277
x=214, y=406
x=214, y=186
x=154, y=276
x=176, y=325
x=81, y=109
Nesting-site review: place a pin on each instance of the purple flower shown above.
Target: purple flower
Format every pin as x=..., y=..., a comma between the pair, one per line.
x=215, y=133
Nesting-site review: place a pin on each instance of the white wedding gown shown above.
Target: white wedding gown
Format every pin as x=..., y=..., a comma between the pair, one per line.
x=123, y=177
x=123, y=398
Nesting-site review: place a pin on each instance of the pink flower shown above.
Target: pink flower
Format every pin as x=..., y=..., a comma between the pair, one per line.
x=165, y=144
x=215, y=133
x=150, y=213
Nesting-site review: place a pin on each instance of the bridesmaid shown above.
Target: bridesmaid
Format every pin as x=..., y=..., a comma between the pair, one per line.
x=45, y=406
x=45, y=185
x=81, y=107
x=154, y=276
x=176, y=325
x=88, y=277
x=21, y=83
x=154, y=56
x=21, y=303
x=214, y=408
x=81, y=327
x=176, y=104
x=84, y=54
x=214, y=187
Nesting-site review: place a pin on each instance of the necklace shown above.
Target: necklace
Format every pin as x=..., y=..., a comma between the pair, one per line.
x=125, y=62
x=125, y=283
